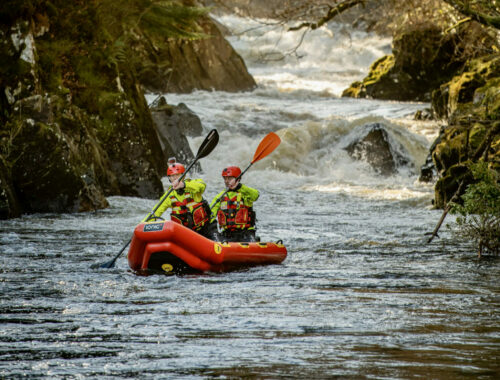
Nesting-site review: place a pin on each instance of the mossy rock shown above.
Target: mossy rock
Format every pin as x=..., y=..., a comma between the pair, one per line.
x=424, y=58
x=354, y=91
x=378, y=84
x=476, y=135
x=61, y=184
x=449, y=149
x=9, y=204
x=487, y=99
x=182, y=65
x=447, y=186
x=453, y=153
x=475, y=93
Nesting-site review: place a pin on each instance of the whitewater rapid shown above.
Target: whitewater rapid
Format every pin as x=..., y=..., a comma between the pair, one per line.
x=299, y=98
x=360, y=294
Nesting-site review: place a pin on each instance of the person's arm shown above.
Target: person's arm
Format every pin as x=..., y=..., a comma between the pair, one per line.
x=163, y=207
x=215, y=206
x=248, y=194
x=195, y=186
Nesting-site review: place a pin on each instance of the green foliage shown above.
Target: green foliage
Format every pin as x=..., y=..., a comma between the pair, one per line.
x=479, y=215
x=93, y=47
x=167, y=18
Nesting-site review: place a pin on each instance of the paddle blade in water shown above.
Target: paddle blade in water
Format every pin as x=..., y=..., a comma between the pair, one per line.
x=266, y=146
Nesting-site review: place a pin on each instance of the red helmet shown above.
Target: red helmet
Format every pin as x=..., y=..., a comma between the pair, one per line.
x=175, y=169
x=231, y=171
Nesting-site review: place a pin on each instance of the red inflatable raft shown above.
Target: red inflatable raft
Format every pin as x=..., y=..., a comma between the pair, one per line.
x=173, y=248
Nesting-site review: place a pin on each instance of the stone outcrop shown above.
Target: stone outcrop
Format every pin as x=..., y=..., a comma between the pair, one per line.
x=375, y=148
x=422, y=60
x=473, y=92
x=471, y=103
x=181, y=66
x=450, y=69
x=173, y=124
x=75, y=126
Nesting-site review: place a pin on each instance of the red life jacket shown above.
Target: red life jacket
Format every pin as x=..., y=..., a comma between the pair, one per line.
x=188, y=212
x=234, y=215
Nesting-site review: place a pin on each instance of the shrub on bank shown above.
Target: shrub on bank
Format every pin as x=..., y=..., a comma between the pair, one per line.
x=479, y=215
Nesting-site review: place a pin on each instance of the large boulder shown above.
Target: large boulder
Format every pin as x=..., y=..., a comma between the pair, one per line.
x=182, y=66
x=375, y=148
x=49, y=173
x=173, y=124
x=423, y=58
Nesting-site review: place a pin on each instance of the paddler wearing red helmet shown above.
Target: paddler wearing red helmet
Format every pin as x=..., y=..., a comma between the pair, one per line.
x=234, y=211
x=187, y=203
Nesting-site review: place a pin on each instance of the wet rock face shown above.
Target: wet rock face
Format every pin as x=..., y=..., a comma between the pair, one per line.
x=48, y=173
x=180, y=117
x=74, y=124
x=173, y=124
x=473, y=93
x=456, y=149
x=9, y=204
x=207, y=64
x=375, y=149
x=471, y=102
x=428, y=171
x=422, y=60
x=58, y=159
x=133, y=151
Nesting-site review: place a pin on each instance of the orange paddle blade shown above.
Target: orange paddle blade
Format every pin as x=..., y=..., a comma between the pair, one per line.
x=266, y=146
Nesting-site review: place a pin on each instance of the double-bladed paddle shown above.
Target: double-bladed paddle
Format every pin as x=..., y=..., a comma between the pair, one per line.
x=204, y=150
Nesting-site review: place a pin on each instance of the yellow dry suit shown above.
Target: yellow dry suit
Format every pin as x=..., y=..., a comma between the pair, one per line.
x=235, y=212
x=188, y=206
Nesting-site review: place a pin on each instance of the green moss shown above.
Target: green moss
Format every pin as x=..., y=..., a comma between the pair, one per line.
x=488, y=99
x=476, y=92
x=353, y=91
x=53, y=59
x=379, y=68
x=477, y=135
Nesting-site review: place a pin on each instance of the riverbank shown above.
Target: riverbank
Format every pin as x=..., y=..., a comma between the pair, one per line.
x=73, y=81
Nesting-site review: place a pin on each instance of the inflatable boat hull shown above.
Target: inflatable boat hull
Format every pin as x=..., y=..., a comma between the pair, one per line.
x=171, y=247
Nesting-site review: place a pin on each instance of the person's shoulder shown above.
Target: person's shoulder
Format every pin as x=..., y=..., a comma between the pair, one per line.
x=247, y=187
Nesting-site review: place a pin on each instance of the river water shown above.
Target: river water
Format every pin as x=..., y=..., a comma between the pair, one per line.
x=360, y=295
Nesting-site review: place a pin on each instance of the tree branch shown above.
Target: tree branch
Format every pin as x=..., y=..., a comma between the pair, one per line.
x=481, y=17
x=333, y=11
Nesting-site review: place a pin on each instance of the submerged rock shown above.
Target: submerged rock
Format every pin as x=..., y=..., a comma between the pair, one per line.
x=375, y=148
